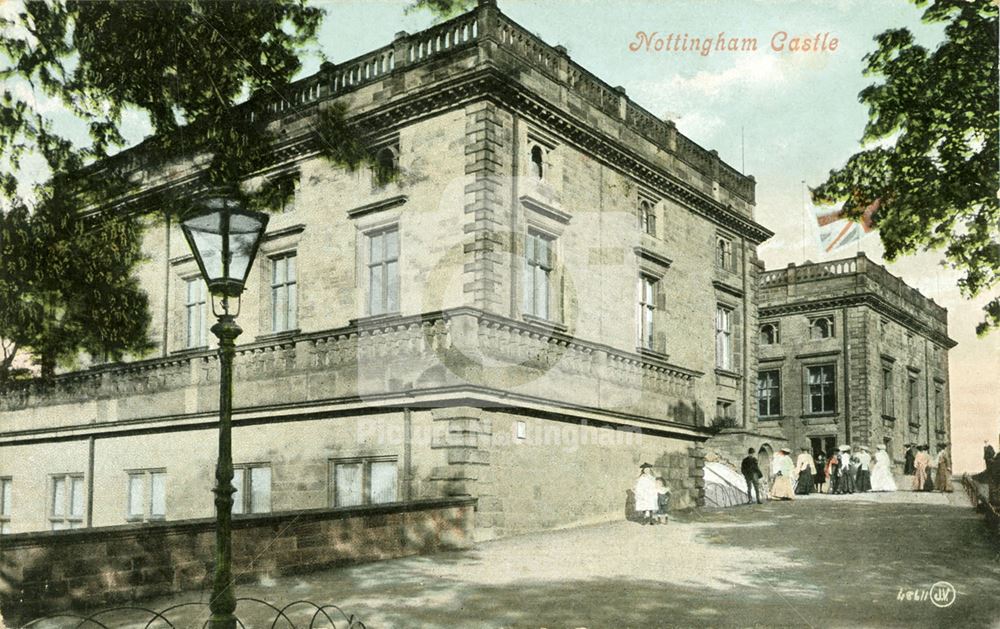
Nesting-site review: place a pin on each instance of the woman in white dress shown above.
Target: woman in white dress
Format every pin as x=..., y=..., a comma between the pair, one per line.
x=646, y=502
x=882, y=479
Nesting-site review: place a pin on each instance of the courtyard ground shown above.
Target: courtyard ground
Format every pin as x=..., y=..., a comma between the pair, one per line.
x=823, y=561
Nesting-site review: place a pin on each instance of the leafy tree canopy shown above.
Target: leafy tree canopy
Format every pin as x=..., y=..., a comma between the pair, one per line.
x=933, y=131
x=67, y=282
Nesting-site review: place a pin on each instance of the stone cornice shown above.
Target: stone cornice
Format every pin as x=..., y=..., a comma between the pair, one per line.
x=545, y=209
x=652, y=256
x=728, y=288
x=377, y=206
x=287, y=231
x=872, y=300
x=352, y=406
x=492, y=83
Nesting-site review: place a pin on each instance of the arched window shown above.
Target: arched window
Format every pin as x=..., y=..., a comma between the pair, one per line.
x=647, y=218
x=821, y=327
x=537, y=162
x=769, y=334
x=386, y=166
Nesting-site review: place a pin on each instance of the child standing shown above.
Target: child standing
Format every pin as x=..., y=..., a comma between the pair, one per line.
x=662, y=500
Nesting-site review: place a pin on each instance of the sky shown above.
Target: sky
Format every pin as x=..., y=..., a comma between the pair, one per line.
x=785, y=117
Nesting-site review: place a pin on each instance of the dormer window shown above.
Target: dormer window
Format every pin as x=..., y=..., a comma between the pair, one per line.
x=821, y=327
x=647, y=218
x=769, y=334
x=537, y=162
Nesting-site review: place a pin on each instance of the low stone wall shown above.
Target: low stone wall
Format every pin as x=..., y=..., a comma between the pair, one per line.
x=41, y=572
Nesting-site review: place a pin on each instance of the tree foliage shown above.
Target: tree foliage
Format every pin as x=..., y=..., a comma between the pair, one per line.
x=933, y=129
x=67, y=280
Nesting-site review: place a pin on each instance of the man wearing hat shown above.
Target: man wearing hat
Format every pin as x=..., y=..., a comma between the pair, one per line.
x=752, y=475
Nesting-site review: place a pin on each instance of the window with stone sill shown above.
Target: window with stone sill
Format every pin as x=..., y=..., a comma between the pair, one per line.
x=252, y=482
x=6, y=495
x=647, y=217
x=888, y=396
x=723, y=338
x=821, y=327
x=289, y=189
x=284, y=292
x=913, y=400
x=363, y=481
x=539, y=263
x=724, y=258
x=769, y=393
x=195, y=313
x=385, y=165
x=939, y=407
x=383, y=270
x=821, y=389
x=537, y=155
x=646, y=312
x=146, y=495
x=66, y=501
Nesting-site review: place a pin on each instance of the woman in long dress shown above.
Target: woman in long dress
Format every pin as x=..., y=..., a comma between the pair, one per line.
x=833, y=471
x=882, y=479
x=646, y=503
x=942, y=482
x=920, y=464
x=782, y=469
x=820, y=478
x=805, y=470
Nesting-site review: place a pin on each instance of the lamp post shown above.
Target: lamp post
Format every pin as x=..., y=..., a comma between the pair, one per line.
x=224, y=238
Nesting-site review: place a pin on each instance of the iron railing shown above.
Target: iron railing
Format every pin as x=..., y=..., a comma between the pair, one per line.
x=322, y=617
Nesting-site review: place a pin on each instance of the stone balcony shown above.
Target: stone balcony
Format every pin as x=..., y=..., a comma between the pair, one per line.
x=392, y=362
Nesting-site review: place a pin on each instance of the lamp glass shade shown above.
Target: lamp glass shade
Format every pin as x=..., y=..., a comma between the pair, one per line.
x=224, y=239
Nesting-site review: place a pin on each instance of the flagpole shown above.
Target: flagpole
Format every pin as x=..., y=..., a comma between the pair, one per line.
x=803, y=195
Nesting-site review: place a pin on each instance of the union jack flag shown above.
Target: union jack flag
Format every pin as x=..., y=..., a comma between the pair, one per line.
x=836, y=231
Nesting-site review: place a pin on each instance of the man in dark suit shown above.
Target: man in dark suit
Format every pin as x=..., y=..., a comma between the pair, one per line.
x=988, y=453
x=908, y=467
x=751, y=472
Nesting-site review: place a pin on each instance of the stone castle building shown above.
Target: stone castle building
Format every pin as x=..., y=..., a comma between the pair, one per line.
x=556, y=288
x=849, y=354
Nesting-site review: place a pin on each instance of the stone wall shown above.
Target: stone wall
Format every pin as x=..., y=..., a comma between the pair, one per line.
x=40, y=572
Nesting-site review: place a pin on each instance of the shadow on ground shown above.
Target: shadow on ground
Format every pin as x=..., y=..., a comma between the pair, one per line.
x=807, y=563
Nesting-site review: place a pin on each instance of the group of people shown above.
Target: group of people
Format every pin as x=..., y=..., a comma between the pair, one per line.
x=846, y=470
x=921, y=465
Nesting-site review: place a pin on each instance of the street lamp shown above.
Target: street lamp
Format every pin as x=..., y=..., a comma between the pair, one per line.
x=224, y=238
